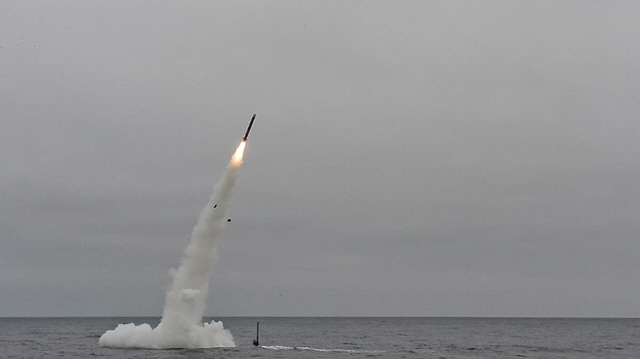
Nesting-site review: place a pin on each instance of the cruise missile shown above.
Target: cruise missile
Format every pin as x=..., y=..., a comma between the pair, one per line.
x=246, y=135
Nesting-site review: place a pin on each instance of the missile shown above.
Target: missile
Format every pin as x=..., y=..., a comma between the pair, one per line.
x=246, y=135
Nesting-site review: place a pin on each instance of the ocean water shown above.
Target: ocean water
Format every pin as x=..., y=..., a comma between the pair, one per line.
x=344, y=338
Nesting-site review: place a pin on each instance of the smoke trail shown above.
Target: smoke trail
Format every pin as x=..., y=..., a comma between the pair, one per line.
x=181, y=325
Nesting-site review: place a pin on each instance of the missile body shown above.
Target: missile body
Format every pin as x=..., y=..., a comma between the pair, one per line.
x=246, y=135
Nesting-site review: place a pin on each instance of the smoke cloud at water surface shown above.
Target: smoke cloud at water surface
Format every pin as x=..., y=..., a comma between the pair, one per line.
x=181, y=325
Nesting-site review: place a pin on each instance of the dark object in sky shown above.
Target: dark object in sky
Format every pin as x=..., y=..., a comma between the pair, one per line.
x=228, y=219
x=215, y=205
x=246, y=135
x=256, y=341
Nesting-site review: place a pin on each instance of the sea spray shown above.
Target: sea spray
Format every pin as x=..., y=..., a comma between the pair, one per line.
x=181, y=324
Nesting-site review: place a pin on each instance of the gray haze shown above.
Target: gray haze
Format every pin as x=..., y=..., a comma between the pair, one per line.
x=408, y=158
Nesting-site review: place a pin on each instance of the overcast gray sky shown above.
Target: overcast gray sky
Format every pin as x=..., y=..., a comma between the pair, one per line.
x=408, y=158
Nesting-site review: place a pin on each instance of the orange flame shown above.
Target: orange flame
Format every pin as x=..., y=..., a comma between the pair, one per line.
x=236, y=159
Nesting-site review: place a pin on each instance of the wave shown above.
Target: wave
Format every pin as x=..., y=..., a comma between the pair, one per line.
x=281, y=347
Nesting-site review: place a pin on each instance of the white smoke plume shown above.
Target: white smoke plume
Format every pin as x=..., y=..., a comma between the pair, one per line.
x=181, y=325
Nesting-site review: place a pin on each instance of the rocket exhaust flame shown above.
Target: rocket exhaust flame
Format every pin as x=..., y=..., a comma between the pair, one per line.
x=238, y=155
x=181, y=325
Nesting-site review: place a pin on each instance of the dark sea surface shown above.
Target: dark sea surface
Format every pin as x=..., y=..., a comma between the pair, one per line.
x=344, y=338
